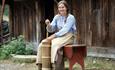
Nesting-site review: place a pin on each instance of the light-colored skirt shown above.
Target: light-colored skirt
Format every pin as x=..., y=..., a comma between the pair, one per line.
x=56, y=44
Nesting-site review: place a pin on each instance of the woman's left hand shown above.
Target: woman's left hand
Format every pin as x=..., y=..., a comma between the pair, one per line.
x=51, y=37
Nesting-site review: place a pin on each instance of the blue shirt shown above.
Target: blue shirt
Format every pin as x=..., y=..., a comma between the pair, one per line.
x=62, y=25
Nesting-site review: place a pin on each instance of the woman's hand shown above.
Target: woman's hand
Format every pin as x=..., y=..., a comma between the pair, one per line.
x=51, y=37
x=47, y=21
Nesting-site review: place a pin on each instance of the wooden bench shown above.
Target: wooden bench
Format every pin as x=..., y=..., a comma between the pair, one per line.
x=75, y=53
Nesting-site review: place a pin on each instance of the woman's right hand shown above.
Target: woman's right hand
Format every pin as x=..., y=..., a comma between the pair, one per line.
x=47, y=21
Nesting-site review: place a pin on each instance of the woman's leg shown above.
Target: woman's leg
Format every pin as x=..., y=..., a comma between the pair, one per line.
x=57, y=43
x=39, y=59
x=39, y=54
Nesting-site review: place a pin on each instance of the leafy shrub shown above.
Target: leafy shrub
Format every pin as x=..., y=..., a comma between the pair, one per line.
x=17, y=46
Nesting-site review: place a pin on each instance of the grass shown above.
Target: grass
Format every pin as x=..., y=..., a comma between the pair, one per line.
x=91, y=63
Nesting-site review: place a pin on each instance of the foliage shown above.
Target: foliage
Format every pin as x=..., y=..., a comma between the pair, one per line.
x=17, y=46
x=6, y=10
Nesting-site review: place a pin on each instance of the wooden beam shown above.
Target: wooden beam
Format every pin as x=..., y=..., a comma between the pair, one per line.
x=22, y=0
x=19, y=0
x=1, y=18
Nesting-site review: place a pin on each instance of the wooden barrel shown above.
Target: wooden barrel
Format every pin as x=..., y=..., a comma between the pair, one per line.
x=46, y=55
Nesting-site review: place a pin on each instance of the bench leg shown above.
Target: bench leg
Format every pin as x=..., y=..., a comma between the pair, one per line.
x=81, y=62
x=71, y=63
x=78, y=59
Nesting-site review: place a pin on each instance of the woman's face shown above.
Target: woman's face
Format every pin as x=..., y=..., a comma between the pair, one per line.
x=62, y=9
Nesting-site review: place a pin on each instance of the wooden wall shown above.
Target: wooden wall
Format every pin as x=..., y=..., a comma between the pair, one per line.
x=26, y=16
x=95, y=22
x=24, y=20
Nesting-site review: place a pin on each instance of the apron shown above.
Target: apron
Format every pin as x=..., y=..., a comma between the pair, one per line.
x=56, y=44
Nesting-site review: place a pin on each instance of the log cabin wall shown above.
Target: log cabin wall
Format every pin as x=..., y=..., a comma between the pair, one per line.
x=27, y=17
x=95, y=22
x=24, y=20
x=111, y=17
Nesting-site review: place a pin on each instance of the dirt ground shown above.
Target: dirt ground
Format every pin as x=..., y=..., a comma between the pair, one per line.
x=10, y=65
x=90, y=64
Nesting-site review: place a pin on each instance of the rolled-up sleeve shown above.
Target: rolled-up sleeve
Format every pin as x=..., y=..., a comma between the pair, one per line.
x=52, y=26
x=68, y=25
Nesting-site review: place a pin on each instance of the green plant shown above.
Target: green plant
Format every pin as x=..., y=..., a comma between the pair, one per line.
x=6, y=10
x=29, y=48
x=17, y=46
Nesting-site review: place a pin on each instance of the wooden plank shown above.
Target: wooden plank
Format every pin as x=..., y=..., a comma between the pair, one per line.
x=112, y=23
x=76, y=45
x=77, y=12
x=88, y=30
x=38, y=16
x=1, y=19
x=19, y=0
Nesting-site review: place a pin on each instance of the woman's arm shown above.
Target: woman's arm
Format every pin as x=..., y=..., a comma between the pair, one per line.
x=51, y=37
x=52, y=27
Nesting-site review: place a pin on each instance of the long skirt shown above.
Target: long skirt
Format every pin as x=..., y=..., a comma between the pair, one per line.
x=56, y=44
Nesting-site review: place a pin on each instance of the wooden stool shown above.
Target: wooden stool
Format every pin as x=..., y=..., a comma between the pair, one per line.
x=75, y=53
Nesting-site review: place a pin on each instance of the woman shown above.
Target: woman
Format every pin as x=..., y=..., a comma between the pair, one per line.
x=63, y=25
